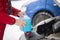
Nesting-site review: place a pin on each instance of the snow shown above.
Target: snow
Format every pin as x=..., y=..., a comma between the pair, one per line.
x=21, y=5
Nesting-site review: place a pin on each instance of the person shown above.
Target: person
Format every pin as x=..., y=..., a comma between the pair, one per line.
x=6, y=19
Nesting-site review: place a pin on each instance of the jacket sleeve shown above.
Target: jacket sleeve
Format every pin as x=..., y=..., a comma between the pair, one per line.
x=15, y=11
x=6, y=19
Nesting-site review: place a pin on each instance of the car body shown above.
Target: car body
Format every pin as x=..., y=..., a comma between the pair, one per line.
x=40, y=10
x=39, y=5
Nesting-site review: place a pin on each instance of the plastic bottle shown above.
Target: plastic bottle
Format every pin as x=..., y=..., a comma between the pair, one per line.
x=28, y=27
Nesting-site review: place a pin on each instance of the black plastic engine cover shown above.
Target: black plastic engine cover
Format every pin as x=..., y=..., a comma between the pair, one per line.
x=45, y=29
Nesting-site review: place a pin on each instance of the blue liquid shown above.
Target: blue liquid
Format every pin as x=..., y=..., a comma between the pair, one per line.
x=28, y=27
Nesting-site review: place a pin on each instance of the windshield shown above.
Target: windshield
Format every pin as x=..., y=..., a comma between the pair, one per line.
x=57, y=2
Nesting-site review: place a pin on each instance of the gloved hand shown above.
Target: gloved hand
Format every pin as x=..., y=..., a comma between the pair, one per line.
x=20, y=23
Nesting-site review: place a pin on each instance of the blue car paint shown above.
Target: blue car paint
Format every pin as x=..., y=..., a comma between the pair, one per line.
x=52, y=7
x=32, y=8
x=39, y=5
